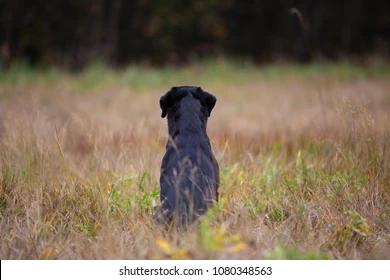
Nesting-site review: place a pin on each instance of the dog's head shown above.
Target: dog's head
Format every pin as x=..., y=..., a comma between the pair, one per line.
x=173, y=97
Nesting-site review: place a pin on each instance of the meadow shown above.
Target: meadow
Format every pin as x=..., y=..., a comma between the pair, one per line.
x=304, y=154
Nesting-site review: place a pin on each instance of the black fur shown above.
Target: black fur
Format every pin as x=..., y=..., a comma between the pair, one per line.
x=189, y=172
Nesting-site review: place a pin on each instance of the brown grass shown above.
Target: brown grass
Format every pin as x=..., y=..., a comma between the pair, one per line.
x=304, y=171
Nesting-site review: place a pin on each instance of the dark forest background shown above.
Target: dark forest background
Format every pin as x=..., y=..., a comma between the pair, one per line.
x=75, y=33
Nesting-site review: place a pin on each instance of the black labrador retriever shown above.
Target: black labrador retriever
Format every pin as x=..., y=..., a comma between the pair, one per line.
x=189, y=172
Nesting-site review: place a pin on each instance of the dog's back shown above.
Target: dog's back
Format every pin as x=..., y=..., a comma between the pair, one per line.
x=189, y=172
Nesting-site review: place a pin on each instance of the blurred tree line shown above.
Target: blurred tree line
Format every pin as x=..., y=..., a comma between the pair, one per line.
x=74, y=33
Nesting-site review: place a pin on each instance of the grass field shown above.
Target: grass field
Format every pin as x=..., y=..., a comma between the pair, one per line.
x=304, y=154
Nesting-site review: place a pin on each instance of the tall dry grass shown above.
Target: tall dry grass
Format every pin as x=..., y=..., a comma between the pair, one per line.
x=304, y=169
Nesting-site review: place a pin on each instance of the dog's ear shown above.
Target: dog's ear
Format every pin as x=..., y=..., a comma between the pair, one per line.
x=210, y=102
x=164, y=105
x=207, y=99
x=165, y=101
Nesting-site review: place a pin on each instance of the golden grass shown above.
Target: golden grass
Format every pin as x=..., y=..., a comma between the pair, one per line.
x=304, y=171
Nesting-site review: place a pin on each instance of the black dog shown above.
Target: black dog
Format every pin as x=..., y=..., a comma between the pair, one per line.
x=189, y=172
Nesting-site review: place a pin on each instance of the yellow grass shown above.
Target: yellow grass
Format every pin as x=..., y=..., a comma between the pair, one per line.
x=304, y=168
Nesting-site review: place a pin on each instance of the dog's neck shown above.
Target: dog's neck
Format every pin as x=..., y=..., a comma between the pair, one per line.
x=187, y=120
